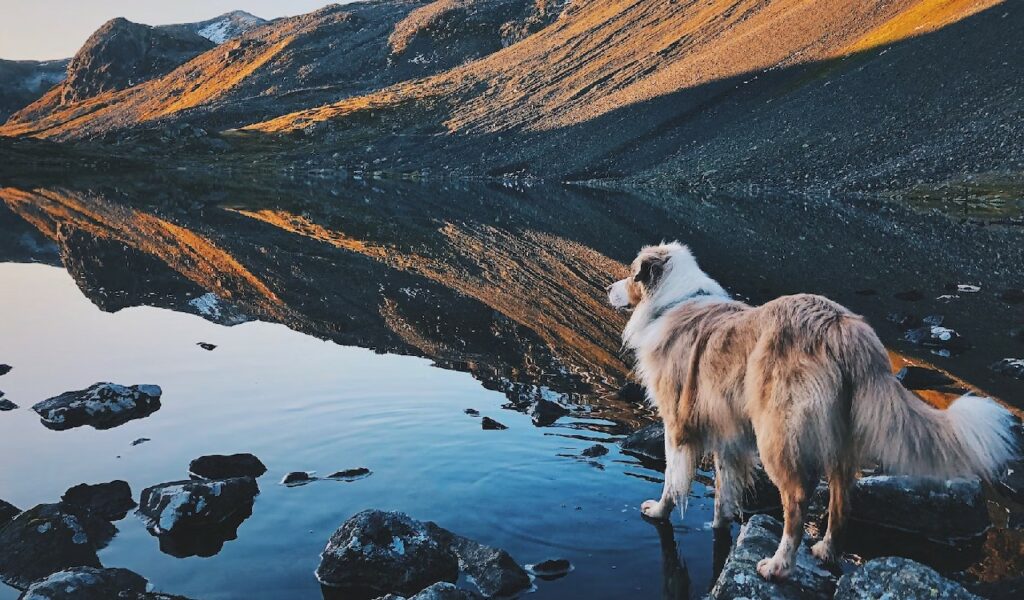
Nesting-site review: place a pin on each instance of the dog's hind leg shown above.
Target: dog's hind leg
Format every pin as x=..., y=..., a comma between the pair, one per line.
x=725, y=499
x=839, y=483
x=680, y=465
x=779, y=566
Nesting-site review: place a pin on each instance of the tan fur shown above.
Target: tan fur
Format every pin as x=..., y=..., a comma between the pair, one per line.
x=800, y=380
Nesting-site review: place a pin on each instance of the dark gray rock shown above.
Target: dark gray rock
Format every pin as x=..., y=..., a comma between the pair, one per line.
x=221, y=466
x=595, y=451
x=102, y=406
x=1011, y=367
x=758, y=539
x=7, y=405
x=933, y=509
x=196, y=517
x=87, y=583
x=648, y=442
x=895, y=578
x=443, y=590
x=376, y=553
x=545, y=412
x=207, y=346
x=490, y=424
x=43, y=540
x=552, y=569
x=472, y=412
x=5, y=369
x=141, y=441
x=1012, y=481
x=108, y=501
x=297, y=478
x=350, y=474
x=7, y=512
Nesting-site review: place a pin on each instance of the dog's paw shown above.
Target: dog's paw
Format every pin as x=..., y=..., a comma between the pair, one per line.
x=773, y=569
x=653, y=509
x=823, y=551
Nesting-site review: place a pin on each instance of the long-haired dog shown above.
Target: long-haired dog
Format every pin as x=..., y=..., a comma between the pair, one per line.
x=801, y=381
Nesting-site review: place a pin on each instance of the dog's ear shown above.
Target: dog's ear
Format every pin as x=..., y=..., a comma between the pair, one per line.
x=651, y=269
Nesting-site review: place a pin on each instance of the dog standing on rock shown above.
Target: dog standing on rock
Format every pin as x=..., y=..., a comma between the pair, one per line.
x=800, y=381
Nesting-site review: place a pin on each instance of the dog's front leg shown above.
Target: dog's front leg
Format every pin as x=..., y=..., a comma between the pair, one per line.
x=679, y=469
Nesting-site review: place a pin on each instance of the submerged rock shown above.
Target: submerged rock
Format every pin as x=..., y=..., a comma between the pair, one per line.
x=934, y=509
x=297, y=478
x=350, y=474
x=490, y=424
x=1011, y=367
x=108, y=501
x=648, y=442
x=758, y=539
x=545, y=412
x=7, y=512
x=595, y=451
x=43, y=540
x=7, y=405
x=551, y=569
x=102, y=406
x=195, y=518
x=472, y=412
x=376, y=553
x=224, y=466
x=895, y=578
x=87, y=583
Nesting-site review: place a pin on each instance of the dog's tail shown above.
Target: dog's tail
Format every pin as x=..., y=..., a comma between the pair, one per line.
x=908, y=436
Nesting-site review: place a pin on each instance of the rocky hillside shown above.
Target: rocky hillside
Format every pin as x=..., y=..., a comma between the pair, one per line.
x=223, y=28
x=24, y=81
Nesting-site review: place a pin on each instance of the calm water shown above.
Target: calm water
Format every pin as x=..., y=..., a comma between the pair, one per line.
x=356, y=323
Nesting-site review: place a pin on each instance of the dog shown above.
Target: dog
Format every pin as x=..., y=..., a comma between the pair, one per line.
x=801, y=382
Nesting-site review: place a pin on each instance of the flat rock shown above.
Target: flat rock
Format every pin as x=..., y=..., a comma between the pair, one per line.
x=350, y=474
x=102, y=406
x=221, y=466
x=490, y=424
x=545, y=412
x=7, y=512
x=196, y=517
x=934, y=509
x=7, y=405
x=41, y=541
x=376, y=553
x=648, y=442
x=551, y=569
x=895, y=578
x=758, y=539
x=108, y=501
x=87, y=583
x=297, y=478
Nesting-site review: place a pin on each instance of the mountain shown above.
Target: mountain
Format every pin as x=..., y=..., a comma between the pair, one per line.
x=24, y=81
x=221, y=29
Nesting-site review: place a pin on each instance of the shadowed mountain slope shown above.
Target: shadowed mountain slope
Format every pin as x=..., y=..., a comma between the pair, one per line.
x=24, y=81
x=221, y=29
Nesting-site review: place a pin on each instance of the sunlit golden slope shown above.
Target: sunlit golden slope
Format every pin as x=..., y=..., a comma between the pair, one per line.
x=601, y=55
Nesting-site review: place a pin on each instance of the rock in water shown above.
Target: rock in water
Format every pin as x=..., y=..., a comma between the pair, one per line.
x=595, y=451
x=43, y=540
x=102, y=406
x=895, y=578
x=220, y=466
x=648, y=442
x=107, y=501
x=207, y=346
x=443, y=590
x=195, y=518
x=934, y=509
x=87, y=583
x=545, y=412
x=551, y=569
x=7, y=512
x=350, y=474
x=376, y=553
x=5, y=369
x=7, y=405
x=297, y=478
x=490, y=424
x=758, y=539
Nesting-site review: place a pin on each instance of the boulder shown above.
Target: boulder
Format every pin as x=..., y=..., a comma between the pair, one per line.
x=648, y=442
x=895, y=578
x=376, y=553
x=102, y=406
x=87, y=583
x=933, y=509
x=7, y=512
x=488, y=423
x=545, y=412
x=297, y=478
x=551, y=569
x=41, y=541
x=7, y=405
x=195, y=518
x=220, y=466
x=758, y=539
x=107, y=501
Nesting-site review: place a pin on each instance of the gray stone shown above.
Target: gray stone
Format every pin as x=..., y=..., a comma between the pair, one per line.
x=757, y=540
x=86, y=583
x=545, y=412
x=102, y=406
x=490, y=424
x=648, y=442
x=934, y=509
x=443, y=590
x=493, y=570
x=41, y=541
x=7, y=405
x=220, y=466
x=108, y=501
x=895, y=578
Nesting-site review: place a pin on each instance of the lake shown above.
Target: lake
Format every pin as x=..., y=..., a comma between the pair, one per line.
x=356, y=321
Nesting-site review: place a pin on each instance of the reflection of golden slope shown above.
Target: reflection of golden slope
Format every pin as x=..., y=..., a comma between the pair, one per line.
x=190, y=254
x=545, y=283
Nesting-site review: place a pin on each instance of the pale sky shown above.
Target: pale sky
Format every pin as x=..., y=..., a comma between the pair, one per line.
x=48, y=29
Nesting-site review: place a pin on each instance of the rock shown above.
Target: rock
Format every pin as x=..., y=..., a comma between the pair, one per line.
x=87, y=583
x=43, y=540
x=545, y=412
x=376, y=553
x=141, y=441
x=107, y=501
x=933, y=509
x=909, y=295
x=895, y=578
x=350, y=474
x=595, y=451
x=921, y=378
x=297, y=478
x=5, y=369
x=443, y=590
x=195, y=518
x=758, y=539
x=7, y=405
x=648, y=442
x=932, y=336
x=472, y=412
x=1011, y=367
x=102, y=406
x=7, y=512
x=206, y=346
x=490, y=424
x=550, y=570
x=221, y=466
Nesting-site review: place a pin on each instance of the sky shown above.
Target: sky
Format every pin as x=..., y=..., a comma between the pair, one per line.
x=48, y=29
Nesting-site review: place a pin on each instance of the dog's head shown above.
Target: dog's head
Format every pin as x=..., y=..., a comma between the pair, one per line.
x=648, y=273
